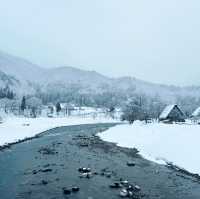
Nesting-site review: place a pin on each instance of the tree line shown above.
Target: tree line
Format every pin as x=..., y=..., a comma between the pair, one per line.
x=134, y=105
x=7, y=93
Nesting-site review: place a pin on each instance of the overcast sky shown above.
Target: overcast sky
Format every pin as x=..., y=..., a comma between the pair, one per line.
x=154, y=40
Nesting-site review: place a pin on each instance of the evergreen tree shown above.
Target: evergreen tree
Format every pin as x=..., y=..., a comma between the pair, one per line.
x=58, y=107
x=23, y=104
x=6, y=93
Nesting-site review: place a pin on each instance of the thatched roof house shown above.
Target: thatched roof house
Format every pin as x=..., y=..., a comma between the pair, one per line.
x=172, y=113
x=196, y=113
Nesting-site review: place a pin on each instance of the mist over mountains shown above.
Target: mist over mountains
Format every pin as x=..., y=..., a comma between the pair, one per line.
x=25, y=77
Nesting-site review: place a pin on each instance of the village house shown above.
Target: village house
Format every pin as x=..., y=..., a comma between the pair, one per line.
x=196, y=113
x=67, y=109
x=172, y=113
x=195, y=117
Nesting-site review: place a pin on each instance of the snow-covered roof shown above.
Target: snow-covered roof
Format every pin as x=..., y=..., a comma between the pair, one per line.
x=63, y=105
x=167, y=111
x=66, y=105
x=196, y=112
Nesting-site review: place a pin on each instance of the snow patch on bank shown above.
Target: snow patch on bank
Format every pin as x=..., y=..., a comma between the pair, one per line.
x=13, y=129
x=175, y=143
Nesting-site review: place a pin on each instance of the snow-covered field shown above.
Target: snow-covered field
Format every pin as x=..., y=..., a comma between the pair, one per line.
x=176, y=143
x=13, y=129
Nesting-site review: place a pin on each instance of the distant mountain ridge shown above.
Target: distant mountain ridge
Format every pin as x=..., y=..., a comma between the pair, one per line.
x=19, y=68
x=25, y=77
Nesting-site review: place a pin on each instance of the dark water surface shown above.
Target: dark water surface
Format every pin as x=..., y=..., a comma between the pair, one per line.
x=40, y=168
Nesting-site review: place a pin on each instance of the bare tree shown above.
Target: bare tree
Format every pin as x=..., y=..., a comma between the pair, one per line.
x=35, y=105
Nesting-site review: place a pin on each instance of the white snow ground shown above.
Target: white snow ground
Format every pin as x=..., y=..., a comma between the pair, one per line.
x=176, y=143
x=13, y=129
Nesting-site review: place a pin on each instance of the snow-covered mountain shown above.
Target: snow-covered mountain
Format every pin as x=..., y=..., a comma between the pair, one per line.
x=70, y=75
x=8, y=81
x=20, y=68
x=18, y=72
x=28, y=73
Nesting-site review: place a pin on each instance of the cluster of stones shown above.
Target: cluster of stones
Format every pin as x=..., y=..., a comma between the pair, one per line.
x=127, y=190
x=85, y=172
x=68, y=191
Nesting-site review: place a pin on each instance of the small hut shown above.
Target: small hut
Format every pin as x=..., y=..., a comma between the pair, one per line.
x=49, y=110
x=172, y=113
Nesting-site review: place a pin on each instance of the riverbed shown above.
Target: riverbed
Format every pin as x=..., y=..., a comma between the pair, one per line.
x=41, y=168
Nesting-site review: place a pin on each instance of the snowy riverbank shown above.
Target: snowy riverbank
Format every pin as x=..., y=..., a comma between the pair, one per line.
x=176, y=143
x=13, y=129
